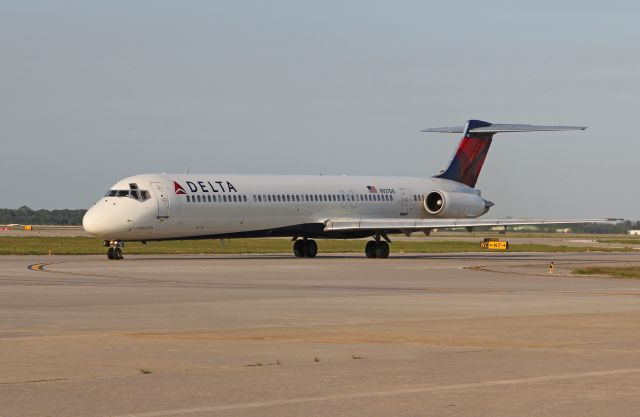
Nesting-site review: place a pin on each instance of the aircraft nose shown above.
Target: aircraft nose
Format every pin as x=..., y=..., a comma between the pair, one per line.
x=94, y=221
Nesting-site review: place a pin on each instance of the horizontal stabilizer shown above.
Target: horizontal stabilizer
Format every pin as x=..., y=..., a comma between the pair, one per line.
x=467, y=161
x=500, y=128
x=381, y=224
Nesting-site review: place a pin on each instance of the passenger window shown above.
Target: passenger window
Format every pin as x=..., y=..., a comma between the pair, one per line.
x=391, y=197
x=188, y=199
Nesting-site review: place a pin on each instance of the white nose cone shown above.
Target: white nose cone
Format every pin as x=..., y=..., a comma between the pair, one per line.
x=93, y=222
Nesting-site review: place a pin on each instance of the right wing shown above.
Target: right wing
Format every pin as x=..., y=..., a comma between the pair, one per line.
x=382, y=224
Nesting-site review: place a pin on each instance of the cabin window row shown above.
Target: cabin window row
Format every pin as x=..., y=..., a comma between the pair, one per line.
x=216, y=199
x=418, y=197
x=303, y=198
x=274, y=198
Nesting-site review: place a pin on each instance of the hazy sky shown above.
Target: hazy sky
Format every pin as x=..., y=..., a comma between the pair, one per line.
x=93, y=91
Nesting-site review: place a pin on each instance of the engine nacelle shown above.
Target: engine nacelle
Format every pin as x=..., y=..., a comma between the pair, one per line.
x=448, y=204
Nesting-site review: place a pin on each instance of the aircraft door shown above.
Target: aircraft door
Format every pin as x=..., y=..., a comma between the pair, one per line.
x=162, y=197
x=404, y=202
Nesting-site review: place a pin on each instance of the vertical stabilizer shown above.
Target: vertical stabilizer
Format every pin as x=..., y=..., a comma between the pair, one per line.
x=468, y=159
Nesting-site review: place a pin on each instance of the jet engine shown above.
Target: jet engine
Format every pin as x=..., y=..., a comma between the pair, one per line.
x=449, y=204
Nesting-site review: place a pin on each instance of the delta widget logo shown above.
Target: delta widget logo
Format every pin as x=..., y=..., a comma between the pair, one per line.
x=178, y=188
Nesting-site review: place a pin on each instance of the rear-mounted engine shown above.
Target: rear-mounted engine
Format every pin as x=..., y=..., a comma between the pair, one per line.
x=448, y=204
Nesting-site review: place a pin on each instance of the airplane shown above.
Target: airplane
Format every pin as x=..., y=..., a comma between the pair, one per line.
x=154, y=207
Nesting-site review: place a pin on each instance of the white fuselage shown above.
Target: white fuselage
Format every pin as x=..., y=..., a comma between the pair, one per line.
x=174, y=206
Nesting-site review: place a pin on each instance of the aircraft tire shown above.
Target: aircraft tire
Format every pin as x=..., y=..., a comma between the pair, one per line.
x=298, y=248
x=310, y=249
x=369, y=249
x=382, y=250
x=117, y=253
x=110, y=254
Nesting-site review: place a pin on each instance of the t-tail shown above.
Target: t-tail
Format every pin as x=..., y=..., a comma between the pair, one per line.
x=467, y=161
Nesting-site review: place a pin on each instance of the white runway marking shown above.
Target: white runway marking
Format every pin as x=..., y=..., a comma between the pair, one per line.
x=357, y=395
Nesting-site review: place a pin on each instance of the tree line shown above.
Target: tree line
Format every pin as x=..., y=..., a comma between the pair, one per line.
x=26, y=215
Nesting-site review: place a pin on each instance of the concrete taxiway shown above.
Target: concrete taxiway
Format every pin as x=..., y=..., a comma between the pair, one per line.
x=413, y=335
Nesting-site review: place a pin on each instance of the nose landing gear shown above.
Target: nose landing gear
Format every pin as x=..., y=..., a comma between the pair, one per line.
x=115, y=249
x=305, y=248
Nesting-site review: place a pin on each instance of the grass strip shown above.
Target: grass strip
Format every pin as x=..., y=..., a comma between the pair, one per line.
x=628, y=241
x=628, y=272
x=38, y=245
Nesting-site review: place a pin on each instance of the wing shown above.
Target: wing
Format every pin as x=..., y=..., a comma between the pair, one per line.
x=380, y=224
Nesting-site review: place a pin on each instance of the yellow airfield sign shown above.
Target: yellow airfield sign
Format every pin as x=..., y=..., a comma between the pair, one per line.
x=493, y=244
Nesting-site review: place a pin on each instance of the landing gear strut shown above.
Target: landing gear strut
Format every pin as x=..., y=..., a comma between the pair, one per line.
x=115, y=249
x=305, y=248
x=379, y=249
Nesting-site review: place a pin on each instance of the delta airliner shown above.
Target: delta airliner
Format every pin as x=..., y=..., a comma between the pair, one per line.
x=151, y=207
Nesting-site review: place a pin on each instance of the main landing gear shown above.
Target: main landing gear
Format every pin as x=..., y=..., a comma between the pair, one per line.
x=305, y=248
x=115, y=249
x=377, y=249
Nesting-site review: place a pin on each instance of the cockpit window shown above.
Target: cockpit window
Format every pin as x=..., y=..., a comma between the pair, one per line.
x=139, y=195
